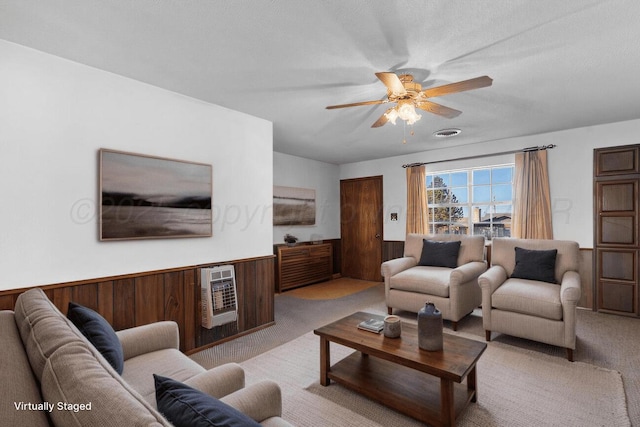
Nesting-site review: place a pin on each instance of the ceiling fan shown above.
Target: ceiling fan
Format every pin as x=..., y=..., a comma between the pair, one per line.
x=408, y=95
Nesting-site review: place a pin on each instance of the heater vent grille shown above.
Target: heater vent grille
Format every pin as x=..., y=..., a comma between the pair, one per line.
x=219, y=296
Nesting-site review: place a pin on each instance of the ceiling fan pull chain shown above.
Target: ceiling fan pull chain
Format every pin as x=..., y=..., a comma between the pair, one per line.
x=404, y=132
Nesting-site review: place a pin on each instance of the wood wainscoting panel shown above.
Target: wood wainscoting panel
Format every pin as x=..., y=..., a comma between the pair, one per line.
x=192, y=308
x=263, y=304
x=105, y=300
x=246, y=277
x=174, y=300
x=86, y=295
x=392, y=249
x=586, y=278
x=61, y=298
x=149, y=297
x=137, y=299
x=124, y=306
x=7, y=302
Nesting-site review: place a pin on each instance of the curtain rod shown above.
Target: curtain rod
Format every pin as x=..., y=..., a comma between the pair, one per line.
x=479, y=156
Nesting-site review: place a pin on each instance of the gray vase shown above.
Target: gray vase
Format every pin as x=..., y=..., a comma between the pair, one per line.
x=430, y=328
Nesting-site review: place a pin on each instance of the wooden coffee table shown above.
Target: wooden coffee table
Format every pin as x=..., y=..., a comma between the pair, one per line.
x=425, y=385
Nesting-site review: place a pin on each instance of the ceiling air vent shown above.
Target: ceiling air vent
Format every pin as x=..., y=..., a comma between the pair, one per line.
x=446, y=133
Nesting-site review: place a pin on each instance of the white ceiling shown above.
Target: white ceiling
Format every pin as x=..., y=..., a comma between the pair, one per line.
x=555, y=64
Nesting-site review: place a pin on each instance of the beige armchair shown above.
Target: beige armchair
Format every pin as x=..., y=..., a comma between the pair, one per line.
x=454, y=290
x=532, y=309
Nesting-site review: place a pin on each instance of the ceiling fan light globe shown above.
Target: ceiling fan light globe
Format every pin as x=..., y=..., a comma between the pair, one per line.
x=412, y=120
x=407, y=112
x=392, y=115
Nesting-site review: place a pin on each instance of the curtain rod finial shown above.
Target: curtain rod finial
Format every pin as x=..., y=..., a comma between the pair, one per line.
x=412, y=165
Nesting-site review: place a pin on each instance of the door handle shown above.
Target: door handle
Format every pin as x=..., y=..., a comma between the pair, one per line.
x=377, y=235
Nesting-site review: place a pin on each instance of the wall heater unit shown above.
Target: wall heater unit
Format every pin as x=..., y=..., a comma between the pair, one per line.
x=218, y=295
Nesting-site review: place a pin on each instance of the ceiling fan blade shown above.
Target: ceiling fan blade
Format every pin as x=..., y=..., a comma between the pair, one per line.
x=470, y=84
x=438, y=109
x=355, y=104
x=382, y=120
x=392, y=82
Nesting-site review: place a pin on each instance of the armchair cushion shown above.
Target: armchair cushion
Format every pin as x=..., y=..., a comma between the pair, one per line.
x=539, y=299
x=535, y=265
x=439, y=254
x=424, y=280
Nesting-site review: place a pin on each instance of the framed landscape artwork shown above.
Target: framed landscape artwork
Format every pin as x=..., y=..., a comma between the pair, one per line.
x=146, y=197
x=294, y=206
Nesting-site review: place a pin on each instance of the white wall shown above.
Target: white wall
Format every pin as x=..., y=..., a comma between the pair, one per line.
x=324, y=178
x=570, y=174
x=55, y=115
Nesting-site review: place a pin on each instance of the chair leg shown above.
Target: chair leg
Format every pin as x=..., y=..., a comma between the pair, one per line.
x=487, y=335
x=454, y=325
x=389, y=310
x=570, y=354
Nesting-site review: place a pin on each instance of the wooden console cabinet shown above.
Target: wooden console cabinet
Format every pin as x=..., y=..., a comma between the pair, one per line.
x=303, y=265
x=617, y=229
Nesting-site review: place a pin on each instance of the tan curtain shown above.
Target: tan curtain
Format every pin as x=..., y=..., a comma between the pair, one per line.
x=532, y=210
x=417, y=212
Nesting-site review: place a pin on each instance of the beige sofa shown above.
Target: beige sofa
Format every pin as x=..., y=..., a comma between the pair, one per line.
x=454, y=291
x=532, y=309
x=46, y=363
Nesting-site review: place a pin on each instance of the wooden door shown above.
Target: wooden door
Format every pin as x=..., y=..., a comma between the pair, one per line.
x=361, y=216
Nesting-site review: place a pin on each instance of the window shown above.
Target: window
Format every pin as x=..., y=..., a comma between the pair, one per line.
x=471, y=201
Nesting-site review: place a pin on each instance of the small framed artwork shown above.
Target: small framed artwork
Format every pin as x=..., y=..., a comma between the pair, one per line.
x=147, y=197
x=294, y=206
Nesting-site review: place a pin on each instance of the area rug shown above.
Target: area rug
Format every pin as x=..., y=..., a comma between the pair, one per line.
x=516, y=387
x=332, y=289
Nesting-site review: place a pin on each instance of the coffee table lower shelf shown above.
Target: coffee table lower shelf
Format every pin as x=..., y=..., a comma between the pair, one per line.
x=414, y=393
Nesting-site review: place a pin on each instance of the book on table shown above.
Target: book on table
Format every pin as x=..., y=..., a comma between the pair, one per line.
x=372, y=325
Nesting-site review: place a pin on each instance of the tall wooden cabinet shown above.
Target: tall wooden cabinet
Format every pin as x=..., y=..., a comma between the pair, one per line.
x=617, y=228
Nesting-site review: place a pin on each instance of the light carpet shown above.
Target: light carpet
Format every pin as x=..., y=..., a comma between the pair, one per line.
x=332, y=289
x=516, y=387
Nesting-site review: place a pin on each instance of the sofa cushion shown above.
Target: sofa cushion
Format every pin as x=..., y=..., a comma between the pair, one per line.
x=540, y=299
x=424, y=280
x=535, y=264
x=138, y=371
x=19, y=384
x=187, y=407
x=439, y=254
x=99, y=332
x=76, y=374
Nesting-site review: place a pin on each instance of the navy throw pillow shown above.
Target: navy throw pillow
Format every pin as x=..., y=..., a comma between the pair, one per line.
x=535, y=265
x=99, y=332
x=440, y=254
x=185, y=406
